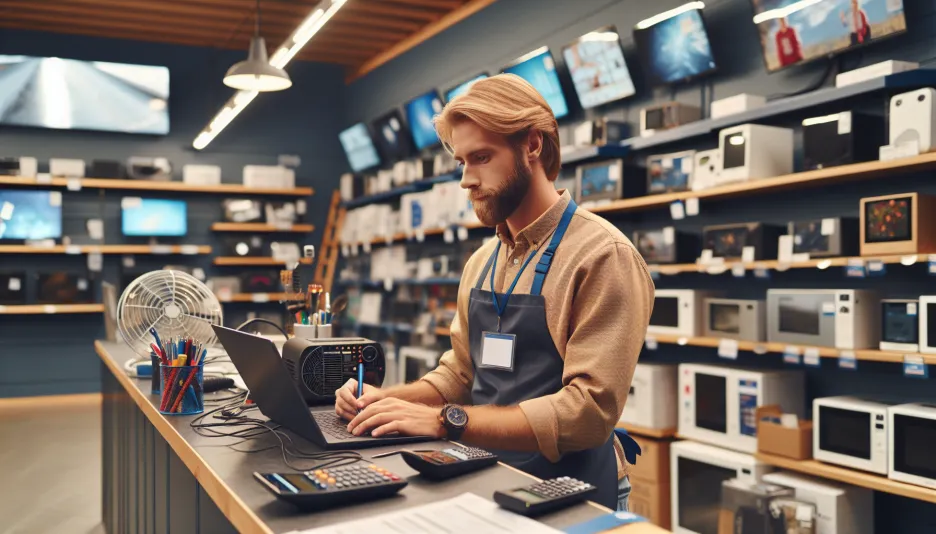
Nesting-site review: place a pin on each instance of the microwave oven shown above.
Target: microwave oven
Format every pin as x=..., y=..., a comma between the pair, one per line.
x=852, y=432
x=743, y=320
x=717, y=404
x=667, y=173
x=677, y=312
x=666, y=245
x=651, y=402
x=911, y=433
x=840, y=508
x=927, y=315
x=820, y=238
x=730, y=241
x=696, y=475
x=841, y=318
x=904, y=223
x=900, y=325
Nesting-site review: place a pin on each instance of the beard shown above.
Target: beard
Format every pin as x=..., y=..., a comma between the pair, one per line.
x=493, y=207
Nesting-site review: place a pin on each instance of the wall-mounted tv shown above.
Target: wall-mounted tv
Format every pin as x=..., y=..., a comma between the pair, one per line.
x=392, y=138
x=419, y=114
x=599, y=72
x=539, y=68
x=153, y=217
x=462, y=87
x=359, y=147
x=26, y=215
x=674, y=45
x=67, y=94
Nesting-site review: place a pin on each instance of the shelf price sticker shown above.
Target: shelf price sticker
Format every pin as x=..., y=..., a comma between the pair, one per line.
x=73, y=250
x=43, y=178
x=855, y=268
x=692, y=207
x=847, y=360
x=161, y=249
x=189, y=250
x=932, y=264
x=260, y=297
x=73, y=184
x=462, y=233
x=915, y=367
x=650, y=343
x=728, y=348
x=448, y=235
x=737, y=270
x=49, y=308
x=811, y=357
x=876, y=268
x=760, y=349
x=760, y=271
x=791, y=355
x=677, y=210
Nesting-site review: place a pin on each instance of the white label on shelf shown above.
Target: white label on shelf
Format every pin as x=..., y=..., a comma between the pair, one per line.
x=828, y=227
x=811, y=357
x=15, y=284
x=915, y=366
x=260, y=297
x=283, y=224
x=747, y=254
x=847, y=360
x=301, y=207
x=129, y=203
x=760, y=349
x=44, y=178
x=199, y=273
x=875, y=266
x=728, y=348
x=128, y=262
x=462, y=233
x=2, y=308
x=692, y=207
x=49, y=308
x=791, y=355
x=95, y=229
x=706, y=256
x=161, y=249
x=95, y=262
x=844, y=123
x=189, y=250
x=73, y=184
x=785, y=249
x=669, y=235
x=650, y=343
x=677, y=210
x=420, y=235
x=828, y=308
x=345, y=250
x=55, y=198
x=911, y=308
x=737, y=270
x=388, y=284
x=73, y=249
x=855, y=268
x=81, y=284
x=448, y=235
x=802, y=257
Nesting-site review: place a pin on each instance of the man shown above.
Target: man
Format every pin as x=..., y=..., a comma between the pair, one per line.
x=789, y=50
x=856, y=20
x=539, y=372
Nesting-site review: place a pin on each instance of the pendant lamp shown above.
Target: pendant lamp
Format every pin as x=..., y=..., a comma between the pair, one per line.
x=256, y=73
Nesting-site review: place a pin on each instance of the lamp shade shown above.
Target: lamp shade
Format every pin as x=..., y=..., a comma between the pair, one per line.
x=256, y=73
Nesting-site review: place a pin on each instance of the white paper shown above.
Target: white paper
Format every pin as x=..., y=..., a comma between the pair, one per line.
x=73, y=249
x=811, y=356
x=728, y=348
x=74, y=184
x=462, y=233
x=669, y=235
x=677, y=211
x=497, y=352
x=301, y=207
x=844, y=123
x=785, y=249
x=747, y=254
x=15, y=284
x=448, y=235
x=692, y=207
x=95, y=229
x=189, y=250
x=828, y=227
x=95, y=262
x=128, y=262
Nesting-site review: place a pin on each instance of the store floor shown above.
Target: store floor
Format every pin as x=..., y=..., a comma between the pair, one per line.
x=50, y=467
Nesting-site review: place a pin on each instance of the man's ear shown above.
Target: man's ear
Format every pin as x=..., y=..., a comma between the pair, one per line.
x=534, y=145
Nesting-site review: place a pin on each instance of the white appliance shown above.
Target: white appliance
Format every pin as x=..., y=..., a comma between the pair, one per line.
x=740, y=319
x=878, y=70
x=847, y=319
x=913, y=119
x=678, y=312
x=269, y=177
x=651, y=402
x=706, y=169
x=754, y=151
x=927, y=313
x=201, y=174
x=852, y=432
x=67, y=168
x=735, y=104
x=840, y=508
x=910, y=438
x=900, y=325
x=717, y=404
x=696, y=475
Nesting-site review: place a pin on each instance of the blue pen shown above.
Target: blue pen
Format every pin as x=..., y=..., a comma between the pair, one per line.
x=360, y=380
x=156, y=336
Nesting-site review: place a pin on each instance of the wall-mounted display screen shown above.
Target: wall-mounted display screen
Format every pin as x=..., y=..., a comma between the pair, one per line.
x=539, y=68
x=392, y=138
x=419, y=114
x=30, y=215
x=462, y=87
x=150, y=217
x=599, y=72
x=674, y=46
x=67, y=94
x=359, y=147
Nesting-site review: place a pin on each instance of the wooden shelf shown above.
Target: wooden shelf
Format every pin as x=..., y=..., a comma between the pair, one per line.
x=107, y=249
x=51, y=309
x=234, y=260
x=256, y=297
x=259, y=227
x=774, y=265
x=656, y=433
x=143, y=185
x=850, y=476
x=435, y=231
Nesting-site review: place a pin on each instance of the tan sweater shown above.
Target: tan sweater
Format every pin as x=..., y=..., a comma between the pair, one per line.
x=599, y=296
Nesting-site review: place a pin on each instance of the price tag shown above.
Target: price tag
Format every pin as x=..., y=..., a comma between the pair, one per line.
x=811, y=357
x=737, y=270
x=44, y=178
x=95, y=229
x=931, y=269
x=73, y=184
x=73, y=250
x=366, y=246
x=49, y=308
x=728, y=348
x=677, y=210
x=760, y=349
x=15, y=284
x=128, y=262
x=915, y=367
x=345, y=250
x=448, y=235
x=847, y=360
x=189, y=250
x=95, y=262
x=761, y=272
x=462, y=233
x=260, y=297
x=791, y=355
x=855, y=268
x=692, y=207
x=747, y=254
x=876, y=268
x=388, y=284
x=650, y=343
x=682, y=341
x=420, y=235
x=161, y=249
x=785, y=249
x=828, y=309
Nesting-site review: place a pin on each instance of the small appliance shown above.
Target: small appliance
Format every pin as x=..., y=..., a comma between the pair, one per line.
x=900, y=325
x=744, y=320
x=913, y=119
x=842, y=318
x=852, y=432
x=910, y=437
x=677, y=312
x=754, y=151
x=651, y=402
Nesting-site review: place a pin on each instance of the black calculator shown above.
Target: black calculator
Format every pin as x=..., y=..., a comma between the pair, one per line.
x=332, y=486
x=448, y=463
x=544, y=496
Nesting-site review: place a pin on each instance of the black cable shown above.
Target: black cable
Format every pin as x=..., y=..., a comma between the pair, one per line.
x=832, y=68
x=262, y=320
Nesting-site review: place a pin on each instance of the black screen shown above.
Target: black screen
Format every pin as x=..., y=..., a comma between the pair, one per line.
x=710, y=401
x=665, y=312
x=913, y=445
x=725, y=318
x=654, y=119
x=931, y=324
x=845, y=432
x=899, y=327
x=798, y=318
x=700, y=488
x=734, y=151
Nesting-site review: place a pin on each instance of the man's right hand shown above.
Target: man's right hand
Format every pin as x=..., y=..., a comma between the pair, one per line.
x=347, y=404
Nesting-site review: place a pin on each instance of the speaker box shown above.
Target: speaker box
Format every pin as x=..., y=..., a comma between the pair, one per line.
x=841, y=138
x=101, y=168
x=913, y=118
x=320, y=366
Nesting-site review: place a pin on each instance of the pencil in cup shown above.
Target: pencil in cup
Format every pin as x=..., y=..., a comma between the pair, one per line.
x=182, y=392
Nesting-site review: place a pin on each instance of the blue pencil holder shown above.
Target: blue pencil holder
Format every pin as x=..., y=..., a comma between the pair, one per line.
x=156, y=379
x=182, y=390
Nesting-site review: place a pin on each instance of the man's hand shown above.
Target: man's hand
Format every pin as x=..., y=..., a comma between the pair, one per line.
x=394, y=415
x=346, y=402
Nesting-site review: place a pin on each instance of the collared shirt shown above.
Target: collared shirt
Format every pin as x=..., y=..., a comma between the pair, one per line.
x=599, y=296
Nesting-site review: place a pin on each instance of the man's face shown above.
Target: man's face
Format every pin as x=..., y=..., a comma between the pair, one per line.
x=496, y=174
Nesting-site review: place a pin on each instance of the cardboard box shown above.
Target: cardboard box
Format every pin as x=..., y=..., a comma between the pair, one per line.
x=653, y=464
x=651, y=500
x=774, y=438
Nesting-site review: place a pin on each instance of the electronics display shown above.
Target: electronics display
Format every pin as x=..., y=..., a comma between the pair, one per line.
x=651, y=402
x=706, y=172
x=62, y=288
x=792, y=33
x=539, y=69
x=677, y=312
x=904, y=223
x=927, y=312
x=393, y=141
x=283, y=215
x=676, y=48
x=599, y=181
x=332, y=486
x=596, y=64
x=913, y=119
x=841, y=138
x=12, y=288
x=51, y=92
x=544, y=496
x=463, y=87
x=667, y=173
x=146, y=168
x=102, y=168
x=359, y=148
x=754, y=151
x=744, y=241
x=840, y=508
x=151, y=217
x=201, y=174
x=841, y=318
x=598, y=132
x=666, y=116
x=25, y=167
x=419, y=114
x=744, y=320
x=829, y=237
x=260, y=282
x=269, y=177
x=910, y=438
x=852, y=432
x=242, y=210
x=448, y=463
x=26, y=214
x=900, y=325
x=717, y=405
x=67, y=168
x=245, y=246
x=666, y=245
x=319, y=367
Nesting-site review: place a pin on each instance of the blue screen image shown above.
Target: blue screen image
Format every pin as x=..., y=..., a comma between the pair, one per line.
x=359, y=147
x=462, y=87
x=676, y=48
x=419, y=114
x=30, y=215
x=540, y=71
x=597, y=180
x=149, y=217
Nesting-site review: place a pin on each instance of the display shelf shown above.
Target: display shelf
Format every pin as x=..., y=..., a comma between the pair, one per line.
x=775, y=265
x=256, y=297
x=107, y=249
x=850, y=476
x=656, y=433
x=50, y=309
x=260, y=227
x=402, y=281
x=585, y=153
x=143, y=185
x=252, y=261
x=396, y=192
x=399, y=237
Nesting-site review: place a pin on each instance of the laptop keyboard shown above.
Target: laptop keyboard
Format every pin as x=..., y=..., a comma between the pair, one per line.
x=329, y=423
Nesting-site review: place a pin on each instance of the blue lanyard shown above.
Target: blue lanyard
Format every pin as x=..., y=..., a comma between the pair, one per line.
x=498, y=307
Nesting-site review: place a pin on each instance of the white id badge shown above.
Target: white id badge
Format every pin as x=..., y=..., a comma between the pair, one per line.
x=497, y=350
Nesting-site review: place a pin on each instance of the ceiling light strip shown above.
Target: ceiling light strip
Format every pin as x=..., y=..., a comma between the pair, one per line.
x=286, y=51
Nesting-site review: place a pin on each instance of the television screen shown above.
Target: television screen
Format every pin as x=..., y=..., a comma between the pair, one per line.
x=797, y=31
x=150, y=217
x=539, y=69
x=419, y=113
x=596, y=63
x=30, y=215
x=359, y=147
x=391, y=136
x=462, y=87
x=67, y=94
x=674, y=46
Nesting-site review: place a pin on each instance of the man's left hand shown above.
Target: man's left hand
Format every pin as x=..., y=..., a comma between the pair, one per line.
x=394, y=415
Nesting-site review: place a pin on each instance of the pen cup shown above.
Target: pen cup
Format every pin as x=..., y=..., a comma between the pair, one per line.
x=305, y=331
x=324, y=331
x=156, y=380
x=182, y=390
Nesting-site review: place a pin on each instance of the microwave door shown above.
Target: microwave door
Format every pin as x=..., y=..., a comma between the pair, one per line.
x=711, y=402
x=845, y=432
x=913, y=446
x=700, y=488
x=665, y=312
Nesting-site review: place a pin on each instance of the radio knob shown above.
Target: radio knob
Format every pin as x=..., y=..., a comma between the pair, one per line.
x=369, y=354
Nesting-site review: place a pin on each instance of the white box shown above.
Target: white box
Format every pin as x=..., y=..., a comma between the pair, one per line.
x=835, y=417
x=28, y=167
x=269, y=177
x=706, y=169
x=652, y=399
x=384, y=181
x=753, y=151
x=67, y=168
x=840, y=508
x=909, y=427
x=884, y=68
x=736, y=104
x=913, y=119
x=201, y=174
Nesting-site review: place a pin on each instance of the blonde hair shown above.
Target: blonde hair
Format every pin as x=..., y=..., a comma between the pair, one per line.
x=508, y=105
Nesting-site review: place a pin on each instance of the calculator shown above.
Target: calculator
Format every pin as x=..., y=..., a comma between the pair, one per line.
x=332, y=486
x=448, y=463
x=544, y=496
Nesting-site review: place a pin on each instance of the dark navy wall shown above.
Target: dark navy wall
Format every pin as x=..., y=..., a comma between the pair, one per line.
x=54, y=354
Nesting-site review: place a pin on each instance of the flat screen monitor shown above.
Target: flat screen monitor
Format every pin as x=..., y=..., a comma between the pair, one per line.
x=152, y=217
x=462, y=87
x=359, y=147
x=599, y=72
x=419, y=114
x=797, y=31
x=391, y=136
x=30, y=215
x=539, y=68
x=67, y=94
x=674, y=46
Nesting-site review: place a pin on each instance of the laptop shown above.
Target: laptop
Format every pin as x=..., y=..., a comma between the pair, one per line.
x=271, y=387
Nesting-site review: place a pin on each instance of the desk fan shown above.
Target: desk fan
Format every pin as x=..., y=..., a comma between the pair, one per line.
x=174, y=303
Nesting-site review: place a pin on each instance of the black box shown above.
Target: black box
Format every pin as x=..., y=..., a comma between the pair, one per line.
x=102, y=168
x=666, y=245
x=63, y=288
x=729, y=240
x=13, y=288
x=260, y=282
x=832, y=236
x=842, y=138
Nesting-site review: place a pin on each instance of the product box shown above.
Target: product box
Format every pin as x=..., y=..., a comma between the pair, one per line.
x=650, y=500
x=653, y=464
x=774, y=438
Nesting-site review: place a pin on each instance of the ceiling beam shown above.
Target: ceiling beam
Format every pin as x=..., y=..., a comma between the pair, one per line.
x=377, y=22
x=441, y=5
x=369, y=33
x=187, y=9
x=360, y=6
x=338, y=41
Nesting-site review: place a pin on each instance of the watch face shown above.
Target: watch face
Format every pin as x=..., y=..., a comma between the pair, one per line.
x=456, y=416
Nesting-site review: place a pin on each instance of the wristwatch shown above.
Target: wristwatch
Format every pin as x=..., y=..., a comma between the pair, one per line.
x=454, y=418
